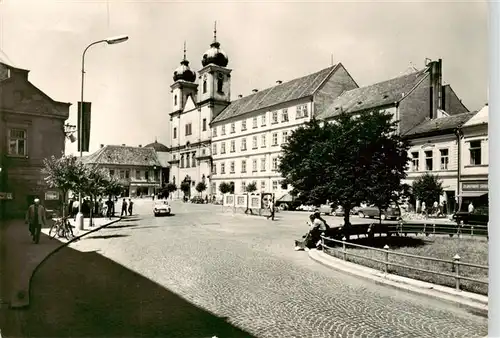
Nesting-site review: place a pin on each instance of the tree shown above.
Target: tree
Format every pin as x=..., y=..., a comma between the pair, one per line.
x=186, y=187
x=113, y=187
x=95, y=183
x=427, y=188
x=64, y=173
x=224, y=188
x=251, y=187
x=201, y=187
x=343, y=160
x=168, y=189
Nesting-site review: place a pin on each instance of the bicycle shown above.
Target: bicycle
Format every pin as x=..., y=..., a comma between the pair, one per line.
x=63, y=229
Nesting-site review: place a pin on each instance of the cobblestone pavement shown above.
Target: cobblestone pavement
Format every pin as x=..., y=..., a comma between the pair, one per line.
x=244, y=268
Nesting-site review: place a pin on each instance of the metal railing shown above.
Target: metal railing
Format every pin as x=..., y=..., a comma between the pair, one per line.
x=455, y=262
x=436, y=228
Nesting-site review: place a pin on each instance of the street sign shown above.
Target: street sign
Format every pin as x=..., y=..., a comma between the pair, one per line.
x=51, y=195
x=6, y=196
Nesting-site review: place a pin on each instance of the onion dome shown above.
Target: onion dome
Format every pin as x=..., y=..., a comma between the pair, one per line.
x=183, y=72
x=159, y=147
x=215, y=54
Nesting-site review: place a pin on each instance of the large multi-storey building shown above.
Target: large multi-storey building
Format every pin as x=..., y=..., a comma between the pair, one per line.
x=31, y=129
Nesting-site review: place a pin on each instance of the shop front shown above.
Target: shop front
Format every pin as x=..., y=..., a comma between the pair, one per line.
x=475, y=192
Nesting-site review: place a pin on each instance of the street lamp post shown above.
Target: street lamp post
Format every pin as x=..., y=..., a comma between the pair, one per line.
x=109, y=41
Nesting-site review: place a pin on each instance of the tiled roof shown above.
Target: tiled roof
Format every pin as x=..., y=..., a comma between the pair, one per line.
x=440, y=124
x=376, y=95
x=124, y=155
x=157, y=146
x=288, y=91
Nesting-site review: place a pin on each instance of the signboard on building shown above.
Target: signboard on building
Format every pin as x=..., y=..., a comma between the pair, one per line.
x=475, y=186
x=51, y=195
x=6, y=196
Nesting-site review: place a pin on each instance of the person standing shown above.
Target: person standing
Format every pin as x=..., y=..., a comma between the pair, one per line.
x=130, y=204
x=35, y=218
x=271, y=209
x=445, y=208
x=124, y=207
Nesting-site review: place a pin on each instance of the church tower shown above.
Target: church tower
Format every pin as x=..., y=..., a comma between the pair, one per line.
x=214, y=90
x=184, y=85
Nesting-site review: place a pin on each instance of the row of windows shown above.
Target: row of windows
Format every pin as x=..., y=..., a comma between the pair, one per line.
x=276, y=117
x=474, y=155
x=189, y=128
x=255, y=145
x=188, y=160
x=139, y=174
x=243, y=166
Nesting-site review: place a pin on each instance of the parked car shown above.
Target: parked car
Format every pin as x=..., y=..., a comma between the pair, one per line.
x=162, y=208
x=480, y=216
x=326, y=209
x=197, y=200
x=372, y=211
x=303, y=207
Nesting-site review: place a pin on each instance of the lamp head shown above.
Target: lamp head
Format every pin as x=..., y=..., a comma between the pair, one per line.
x=117, y=39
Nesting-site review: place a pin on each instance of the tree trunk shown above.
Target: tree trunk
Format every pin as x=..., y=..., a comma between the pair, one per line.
x=63, y=211
x=91, y=207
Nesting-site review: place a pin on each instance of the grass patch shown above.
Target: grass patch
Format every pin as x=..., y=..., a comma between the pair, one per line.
x=471, y=250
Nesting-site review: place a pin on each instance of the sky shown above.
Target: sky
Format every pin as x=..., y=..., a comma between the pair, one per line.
x=129, y=83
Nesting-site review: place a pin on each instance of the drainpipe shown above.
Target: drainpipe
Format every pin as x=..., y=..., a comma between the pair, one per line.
x=458, y=132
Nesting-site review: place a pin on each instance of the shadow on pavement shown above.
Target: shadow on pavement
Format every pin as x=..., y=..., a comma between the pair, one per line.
x=105, y=236
x=393, y=242
x=122, y=226
x=83, y=294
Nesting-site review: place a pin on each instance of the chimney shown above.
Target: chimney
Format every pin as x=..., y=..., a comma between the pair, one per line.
x=436, y=93
x=279, y=82
x=255, y=90
x=102, y=145
x=240, y=96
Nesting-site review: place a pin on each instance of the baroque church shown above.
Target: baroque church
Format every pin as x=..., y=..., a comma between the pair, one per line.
x=196, y=99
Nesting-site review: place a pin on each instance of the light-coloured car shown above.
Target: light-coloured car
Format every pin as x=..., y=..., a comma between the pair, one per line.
x=372, y=211
x=162, y=208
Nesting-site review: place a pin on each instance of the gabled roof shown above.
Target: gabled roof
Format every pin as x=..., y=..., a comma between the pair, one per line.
x=377, y=95
x=292, y=90
x=124, y=155
x=480, y=118
x=441, y=124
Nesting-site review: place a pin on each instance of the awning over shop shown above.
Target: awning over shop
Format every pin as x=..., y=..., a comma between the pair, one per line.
x=473, y=193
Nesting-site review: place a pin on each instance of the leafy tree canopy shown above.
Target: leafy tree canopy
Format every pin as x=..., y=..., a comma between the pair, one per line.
x=427, y=188
x=185, y=187
x=347, y=161
x=201, y=187
x=224, y=187
x=251, y=187
x=65, y=173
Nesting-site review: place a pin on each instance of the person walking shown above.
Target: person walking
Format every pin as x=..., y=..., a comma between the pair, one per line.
x=130, y=204
x=35, y=218
x=271, y=209
x=124, y=207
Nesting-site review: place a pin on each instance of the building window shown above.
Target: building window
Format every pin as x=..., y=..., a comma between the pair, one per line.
x=232, y=167
x=233, y=128
x=444, y=159
x=193, y=160
x=223, y=148
x=275, y=164
x=127, y=174
x=284, y=185
x=175, y=100
x=243, y=166
x=301, y=111
x=214, y=169
x=233, y=146
x=263, y=120
x=275, y=185
x=243, y=186
x=275, y=139
x=263, y=164
x=263, y=141
x=254, y=166
x=214, y=188
x=146, y=175
x=428, y=160
x=254, y=142
x=284, y=137
x=244, y=144
x=243, y=125
x=475, y=152
x=222, y=168
x=18, y=142
x=189, y=129
x=204, y=85
x=138, y=174
x=223, y=130
x=254, y=122
x=284, y=115
x=414, y=161
x=182, y=161
x=175, y=132
x=263, y=185
x=274, y=117
x=188, y=162
x=214, y=149
x=214, y=132
x=220, y=83
x=111, y=172
x=204, y=122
